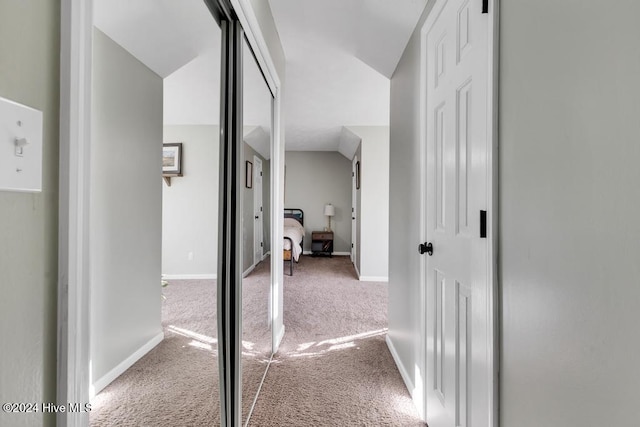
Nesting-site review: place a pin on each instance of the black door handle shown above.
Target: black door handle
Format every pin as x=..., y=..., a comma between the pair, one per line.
x=425, y=247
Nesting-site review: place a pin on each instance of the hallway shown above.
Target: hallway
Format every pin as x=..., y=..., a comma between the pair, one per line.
x=333, y=366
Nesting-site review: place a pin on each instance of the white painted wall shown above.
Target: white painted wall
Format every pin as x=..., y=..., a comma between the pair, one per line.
x=570, y=239
x=315, y=178
x=190, y=205
x=29, y=74
x=373, y=251
x=126, y=208
x=262, y=11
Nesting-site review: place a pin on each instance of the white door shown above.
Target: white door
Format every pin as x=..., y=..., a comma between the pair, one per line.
x=457, y=286
x=354, y=210
x=257, y=211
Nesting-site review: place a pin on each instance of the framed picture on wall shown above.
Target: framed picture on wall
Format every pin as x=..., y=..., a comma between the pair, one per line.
x=172, y=159
x=248, y=174
x=358, y=175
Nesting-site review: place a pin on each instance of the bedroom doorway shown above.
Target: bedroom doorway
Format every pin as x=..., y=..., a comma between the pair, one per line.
x=258, y=213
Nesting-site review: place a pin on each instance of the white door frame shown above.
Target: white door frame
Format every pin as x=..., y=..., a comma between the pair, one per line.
x=73, y=357
x=354, y=212
x=258, y=233
x=420, y=379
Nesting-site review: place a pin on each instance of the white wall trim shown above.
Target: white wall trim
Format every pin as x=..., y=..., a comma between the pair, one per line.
x=73, y=331
x=206, y=276
x=357, y=271
x=106, y=379
x=373, y=279
x=403, y=371
x=248, y=270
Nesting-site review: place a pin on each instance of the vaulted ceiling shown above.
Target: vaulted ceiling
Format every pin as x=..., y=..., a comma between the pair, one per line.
x=340, y=55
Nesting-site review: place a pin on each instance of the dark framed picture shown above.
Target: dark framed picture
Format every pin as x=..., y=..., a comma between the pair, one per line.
x=358, y=175
x=248, y=175
x=172, y=159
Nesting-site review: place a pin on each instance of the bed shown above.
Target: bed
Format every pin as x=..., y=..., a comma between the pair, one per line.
x=293, y=236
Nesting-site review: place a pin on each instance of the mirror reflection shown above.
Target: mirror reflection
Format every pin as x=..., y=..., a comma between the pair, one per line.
x=154, y=350
x=256, y=282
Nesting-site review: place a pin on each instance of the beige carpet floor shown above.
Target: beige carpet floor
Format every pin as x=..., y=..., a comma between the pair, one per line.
x=176, y=383
x=333, y=367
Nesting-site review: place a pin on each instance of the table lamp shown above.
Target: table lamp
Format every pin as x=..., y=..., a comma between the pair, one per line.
x=329, y=211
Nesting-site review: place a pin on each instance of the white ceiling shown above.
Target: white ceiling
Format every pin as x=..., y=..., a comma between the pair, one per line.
x=340, y=55
x=180, y=41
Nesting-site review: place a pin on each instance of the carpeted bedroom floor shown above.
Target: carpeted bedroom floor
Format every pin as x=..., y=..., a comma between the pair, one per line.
x=333, y=367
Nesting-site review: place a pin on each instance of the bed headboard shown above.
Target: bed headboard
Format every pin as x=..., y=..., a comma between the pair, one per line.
x=294, y=213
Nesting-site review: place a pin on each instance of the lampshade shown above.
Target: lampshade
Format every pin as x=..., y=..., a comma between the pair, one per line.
x=329, y=210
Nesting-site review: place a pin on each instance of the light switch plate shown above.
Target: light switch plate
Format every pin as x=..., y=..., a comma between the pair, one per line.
x=20, y=147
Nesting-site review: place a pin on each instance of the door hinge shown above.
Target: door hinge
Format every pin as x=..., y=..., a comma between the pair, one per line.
x=260, y=244
x=483, y=224
x=485, y=6
x=352, y=245
x=260, y=208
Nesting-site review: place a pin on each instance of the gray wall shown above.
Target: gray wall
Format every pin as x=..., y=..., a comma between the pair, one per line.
x=373, y=203
x=29, y=74
x=126, y=205
x=569, y=239
x=247, y=213
x=404, y=206
x=315, y=178
x=190, y=205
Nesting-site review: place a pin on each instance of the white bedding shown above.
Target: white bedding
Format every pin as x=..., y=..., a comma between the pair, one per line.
x=295, y=231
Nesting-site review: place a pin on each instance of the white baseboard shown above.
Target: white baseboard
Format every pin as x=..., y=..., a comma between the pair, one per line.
x=101, y=383
x=278, y=340
x=373, y=278
x=189, y=276
x=248, y=270
x=332, y=253
x=403, y=371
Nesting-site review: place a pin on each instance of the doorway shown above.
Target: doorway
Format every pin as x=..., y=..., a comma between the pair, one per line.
x=354, y=209
x=258, y=238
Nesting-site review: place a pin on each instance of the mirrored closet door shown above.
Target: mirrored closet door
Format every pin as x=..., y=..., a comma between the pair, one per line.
x=154, y=213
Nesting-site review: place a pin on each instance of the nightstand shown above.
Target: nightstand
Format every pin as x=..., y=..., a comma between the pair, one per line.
x=321, y=243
